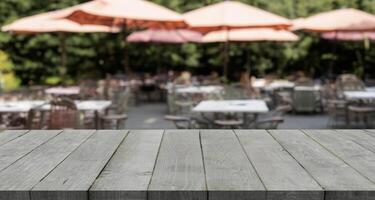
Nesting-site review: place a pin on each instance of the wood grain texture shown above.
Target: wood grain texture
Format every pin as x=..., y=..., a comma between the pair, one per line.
x=21, y=176
x=350, y=152
x=19, y=147
x=9, y=135
x=229, y=173
x=333, y=174
x=371, y=132
x=80, y=169
x=360, y=137
x=281, y=174
x=128, y=174
x=179, y=172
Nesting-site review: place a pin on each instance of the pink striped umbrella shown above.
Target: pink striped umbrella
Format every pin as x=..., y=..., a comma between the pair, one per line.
x=174, y=36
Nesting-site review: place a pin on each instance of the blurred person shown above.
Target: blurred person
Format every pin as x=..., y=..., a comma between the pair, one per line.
x=183, y=79
x=246, y=83
x=212, y=79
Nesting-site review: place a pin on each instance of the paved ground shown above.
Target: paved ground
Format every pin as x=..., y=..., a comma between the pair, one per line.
x=151, y=116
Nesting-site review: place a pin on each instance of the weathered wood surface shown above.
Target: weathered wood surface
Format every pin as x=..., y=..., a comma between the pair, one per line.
x=179, y=171
x=187, y=165
x=229, y=173
x=6, y=136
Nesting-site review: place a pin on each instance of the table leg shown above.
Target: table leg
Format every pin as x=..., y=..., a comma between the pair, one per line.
x=96, y=113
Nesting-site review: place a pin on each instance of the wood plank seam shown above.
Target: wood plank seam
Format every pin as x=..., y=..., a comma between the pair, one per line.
x=286, y=150
x=204, y=165
x=92, y=133
x=249, y=159
x=153, y=169
x=22, y=134
x=127, y=134
x=358, y=143
x=31, y=150
x=370, y=132
x=338, y=157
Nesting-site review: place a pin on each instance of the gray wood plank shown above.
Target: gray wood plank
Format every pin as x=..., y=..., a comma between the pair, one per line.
x=338, y=179
x=72, y=178
x=179, y=171
x=9, y=135
x=358, y=157
x=371, y=132
x=128, y=174
x=229, y=173
x=19, y=147
x=281, y=174
x=360, y=137
x=21, y=176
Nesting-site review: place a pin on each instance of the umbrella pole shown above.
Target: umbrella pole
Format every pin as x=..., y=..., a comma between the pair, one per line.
x=226, y=55
x=126, y=55
x=63, y=52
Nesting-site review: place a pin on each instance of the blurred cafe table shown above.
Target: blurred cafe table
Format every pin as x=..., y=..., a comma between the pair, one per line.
x=360, y=95
x=96, y=106
x=370, y=89
x=274, y=85
x=19, y=106
x=199, y=89
x=245, y=107
x=26, y=106
x=63, y=91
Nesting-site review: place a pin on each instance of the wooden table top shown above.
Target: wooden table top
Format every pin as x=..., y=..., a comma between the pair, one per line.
x=187, y=164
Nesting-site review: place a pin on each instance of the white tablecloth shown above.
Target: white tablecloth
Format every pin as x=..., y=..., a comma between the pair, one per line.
x=233, y=106
x=360, y=95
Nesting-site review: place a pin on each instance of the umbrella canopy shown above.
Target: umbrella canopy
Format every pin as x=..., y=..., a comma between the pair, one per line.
x=248, y=35
x=337, y=20
x=349, y=36
x=129, y=13
x=53, y=22
x=173, y=36
x=232, y=14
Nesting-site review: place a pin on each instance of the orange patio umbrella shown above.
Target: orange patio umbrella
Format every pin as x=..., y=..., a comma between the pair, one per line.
x=348, y=19
x=173, y=36
x=342, y=24
x=127, y=14
x=51, y=22
x=229, y=15
x=248, y=35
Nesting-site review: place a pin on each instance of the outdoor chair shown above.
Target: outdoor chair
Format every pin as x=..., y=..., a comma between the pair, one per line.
x=36, y=118
x=304, y=101
x=271, y=123
x=337, y=112
x=88, y=89
x=117, y=114
x=235, y=92
x=349, y=82
x=361, y=115
x=180, y=122
x=16, y=122
x=229, y=124
x=64, y=114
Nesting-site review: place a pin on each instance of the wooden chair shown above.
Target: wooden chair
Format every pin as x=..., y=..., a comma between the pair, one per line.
x=180, y=122
x=117, y=115
x=337, y=112
x=64, y=114
x=361, y=114
x=229, y=124
x=304, y=101
x=272, y=123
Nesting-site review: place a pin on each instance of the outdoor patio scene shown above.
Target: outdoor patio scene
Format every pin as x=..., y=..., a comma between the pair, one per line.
x=134, y=64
